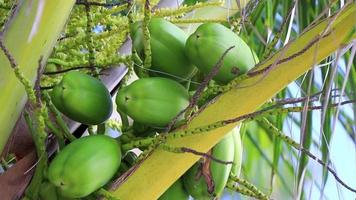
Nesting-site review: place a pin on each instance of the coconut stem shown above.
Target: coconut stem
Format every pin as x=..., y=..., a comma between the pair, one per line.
x=259, y=194
x=58, y=117
x=233, y=186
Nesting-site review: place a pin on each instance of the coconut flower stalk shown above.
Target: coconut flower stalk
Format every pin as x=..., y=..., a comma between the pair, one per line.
x=29, y=35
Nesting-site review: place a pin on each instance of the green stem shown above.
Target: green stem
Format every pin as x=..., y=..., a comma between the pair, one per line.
x=124, y=120
x=163, y=12
x=90, y=41
x=4, y=164
x=259, y=194
x=142, y=143
x=140, y=70
x=291, y=142
x=58, y=117
x=53, y=128
x=19, y=75
x=106, y=194
x=56, y=133
x=275, y=131
x=232, y=186
x=102, y=63
x=37, y=130
x=278, y=34
x=146, y=35
x=250, y=116
x=198, y=20
x=217, y=89
x=115, y=9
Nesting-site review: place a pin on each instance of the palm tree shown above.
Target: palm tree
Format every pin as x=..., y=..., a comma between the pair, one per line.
x=296, y=108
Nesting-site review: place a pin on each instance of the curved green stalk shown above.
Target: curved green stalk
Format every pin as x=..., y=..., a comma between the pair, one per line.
x=30, y=36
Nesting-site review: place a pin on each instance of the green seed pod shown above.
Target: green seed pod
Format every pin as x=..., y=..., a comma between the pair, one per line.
x=208, y=43
x=153, y=101
x=82, y=98
x=85, y=165
x=207, y=179
x=236, y=166
x=175, y=192
x=167, y=47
